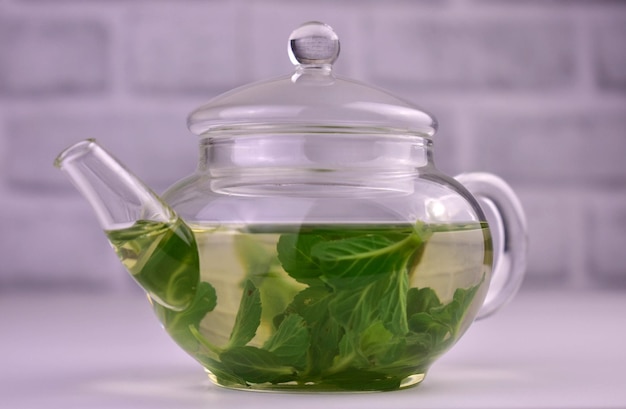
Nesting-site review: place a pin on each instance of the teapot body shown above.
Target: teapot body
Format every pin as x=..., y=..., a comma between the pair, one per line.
x=319, y=274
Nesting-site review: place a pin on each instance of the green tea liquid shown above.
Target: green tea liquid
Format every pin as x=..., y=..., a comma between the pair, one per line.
x=318, y=307
x=162, y=258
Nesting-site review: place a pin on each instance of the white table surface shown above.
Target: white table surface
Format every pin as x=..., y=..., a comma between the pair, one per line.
x=543, y=350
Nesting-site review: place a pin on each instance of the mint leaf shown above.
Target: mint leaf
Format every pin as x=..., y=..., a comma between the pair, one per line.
x=438, y=330
x=356, y=309
x=421, y=300
x=375, y=339
x=393, y=304
x=162, y=258
x=464, y=298
x=290, y=342
x=325, y=333
x=356, y=261
x=248, y=316
x=454, y=312
x=374, y=322
x=256, y=365
x=294, y=253
x=177, y=323
x=440, y=323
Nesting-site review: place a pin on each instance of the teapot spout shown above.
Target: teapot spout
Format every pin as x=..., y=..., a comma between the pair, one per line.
x=157, y=248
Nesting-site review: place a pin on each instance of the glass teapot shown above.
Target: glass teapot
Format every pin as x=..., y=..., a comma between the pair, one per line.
x=317, y=247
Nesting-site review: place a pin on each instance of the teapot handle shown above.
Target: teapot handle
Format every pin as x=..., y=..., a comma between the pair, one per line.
x=507, y=224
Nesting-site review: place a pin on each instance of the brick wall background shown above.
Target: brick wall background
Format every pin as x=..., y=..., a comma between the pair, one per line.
x=532, y=90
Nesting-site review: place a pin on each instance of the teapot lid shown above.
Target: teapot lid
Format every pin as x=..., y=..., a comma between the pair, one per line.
x=312, y=99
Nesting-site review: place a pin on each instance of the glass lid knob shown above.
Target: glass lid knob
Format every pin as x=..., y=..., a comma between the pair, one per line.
x=313, y=44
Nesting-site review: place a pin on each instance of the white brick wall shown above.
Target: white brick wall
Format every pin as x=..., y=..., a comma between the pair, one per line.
x=185, y=50
x=579, y=147
x=458, y=53
x=156, y=146
x=40, y=55
x=534, y=91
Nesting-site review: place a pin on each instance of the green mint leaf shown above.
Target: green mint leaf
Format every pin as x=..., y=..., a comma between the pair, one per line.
x=421, y=300
x=311, y=304
x=325, y=338
x=355, y=309
x=393, y=304
x=294, y=253
x=380, y=346
x=325, y=333
x=369, y=274
x=438, y=330
x=256, y=365
x=454, y=312
x=248, y=316
x=440, y=324
x=418, y=344
x=465, y=296
x=375, y=339
x=384, y=299
x=177, y=323
x=290, y=342
x=204, y=302
x=374, y=321
x=356, y=260
x=162, y=258
x=349, y=355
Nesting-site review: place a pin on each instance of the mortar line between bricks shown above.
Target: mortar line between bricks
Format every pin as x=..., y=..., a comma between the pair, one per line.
x=585, y=58
x=578, y=275
x=4, y=188
x=119, y=65
x=71, y=9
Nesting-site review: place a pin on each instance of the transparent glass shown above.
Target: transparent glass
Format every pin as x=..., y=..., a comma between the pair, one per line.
x=313, y=96
x=317, y=247
x=356, y=240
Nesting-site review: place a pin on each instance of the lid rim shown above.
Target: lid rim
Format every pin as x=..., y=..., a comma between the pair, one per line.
x=257, y=129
